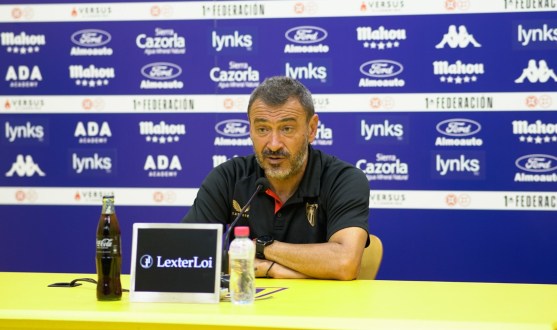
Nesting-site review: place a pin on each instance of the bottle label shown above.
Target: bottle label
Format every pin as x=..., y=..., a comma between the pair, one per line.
x=108, y=246
x=108, y=206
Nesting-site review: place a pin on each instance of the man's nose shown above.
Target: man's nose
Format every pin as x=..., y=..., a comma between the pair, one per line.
x=275, y=141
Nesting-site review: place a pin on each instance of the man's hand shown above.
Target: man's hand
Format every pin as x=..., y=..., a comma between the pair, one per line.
x=339, y=258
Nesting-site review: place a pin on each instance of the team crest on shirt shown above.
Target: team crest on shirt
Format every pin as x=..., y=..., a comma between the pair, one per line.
x=311, y=213
x=238, y=209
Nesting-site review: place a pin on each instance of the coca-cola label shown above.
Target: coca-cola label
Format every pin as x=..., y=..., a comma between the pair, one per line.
x=108, y=245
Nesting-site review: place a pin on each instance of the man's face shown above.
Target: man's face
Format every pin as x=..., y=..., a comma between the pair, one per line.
x=280, y=137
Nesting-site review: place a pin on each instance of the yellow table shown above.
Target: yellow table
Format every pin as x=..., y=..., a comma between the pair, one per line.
x=26, y=302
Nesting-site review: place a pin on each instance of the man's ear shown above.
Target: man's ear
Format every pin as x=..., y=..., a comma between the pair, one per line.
x=313, y=128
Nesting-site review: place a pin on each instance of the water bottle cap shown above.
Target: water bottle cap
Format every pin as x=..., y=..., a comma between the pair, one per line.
x=241, y=231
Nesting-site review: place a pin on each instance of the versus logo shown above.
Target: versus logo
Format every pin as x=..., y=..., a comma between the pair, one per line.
x=385, y=167
x=536, y=163
x=536, y=34
x=238, y=75
x=161, y=71
x=237, y=129
x=458, y=165
x=92, y=162
x=23, y=77
x=306, y=35
x=383, y=130
x=232, y=41
x=381, y=69
x=458, y=128
x=22, y=43
x=21, y=132
x=92, y=39
x=165, y=41
x=313, y=72
x=91, y=133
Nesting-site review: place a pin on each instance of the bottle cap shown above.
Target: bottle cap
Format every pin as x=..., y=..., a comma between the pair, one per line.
x=241, y=231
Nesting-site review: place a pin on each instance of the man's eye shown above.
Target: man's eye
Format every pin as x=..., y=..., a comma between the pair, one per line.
x=262, y=130
x=288, y=129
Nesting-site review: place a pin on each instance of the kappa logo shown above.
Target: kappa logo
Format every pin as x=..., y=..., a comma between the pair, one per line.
x=380, y=38
x=22, y=43
x=460, y=39
x=24, y=167
x=537, y=73
x=91, y=76
x=524, y=129
x=311, y=213
x=23, y=77
x=165, y=41
x=237, y=209
x=91, y=41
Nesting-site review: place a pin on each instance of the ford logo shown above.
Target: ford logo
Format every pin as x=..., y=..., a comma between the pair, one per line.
x=537, y=163
x=233, y=127
x=91, y=38
x=458, y=127
x=381, y=68
x=306, y=34
x=161, y=71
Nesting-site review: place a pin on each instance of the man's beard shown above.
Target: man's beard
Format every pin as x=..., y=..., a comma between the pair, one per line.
x=296, y=161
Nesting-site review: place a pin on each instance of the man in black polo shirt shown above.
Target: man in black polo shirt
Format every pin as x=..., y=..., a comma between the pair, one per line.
x=313, y=220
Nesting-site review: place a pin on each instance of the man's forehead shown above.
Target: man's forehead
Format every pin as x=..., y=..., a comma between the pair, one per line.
x=290, y=109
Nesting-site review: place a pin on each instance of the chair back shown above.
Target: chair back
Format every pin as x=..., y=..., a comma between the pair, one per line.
x=371, y=260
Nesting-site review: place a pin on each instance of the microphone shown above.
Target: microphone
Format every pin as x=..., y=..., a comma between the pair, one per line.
x=261, y=185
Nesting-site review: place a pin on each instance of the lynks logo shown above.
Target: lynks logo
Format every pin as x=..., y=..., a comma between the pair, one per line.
x=311, y=72
x=236, y=132
x=26, y=132
x=536, y=163
x=381, y=69
x=92, y=39
x=161, y=71
x=383, y=130
x=233, y=41
x=536, y=34
x=458, y=165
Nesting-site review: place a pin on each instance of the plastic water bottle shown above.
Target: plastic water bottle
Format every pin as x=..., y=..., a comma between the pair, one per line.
x=242, y=275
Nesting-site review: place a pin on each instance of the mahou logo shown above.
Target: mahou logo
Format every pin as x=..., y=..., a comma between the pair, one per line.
x=162, y=132
x=22, y=43
x=537, y=132
x=380, y=38
x=161, y=71
x=91, y=42
x=457, y=72
x=23, y=77
x=91, y=76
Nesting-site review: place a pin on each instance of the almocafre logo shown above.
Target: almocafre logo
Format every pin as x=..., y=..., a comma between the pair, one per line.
x=163, y=42
x=458, y=131
x=90, y=42
x=24, y=167
x=22, y=43
x=91, y=76
x=233, y=132
x=539, y=164
x=460, y=39
x=537, y=73
x=383, y=72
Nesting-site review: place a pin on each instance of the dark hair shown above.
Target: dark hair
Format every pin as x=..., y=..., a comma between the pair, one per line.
x=278, y=90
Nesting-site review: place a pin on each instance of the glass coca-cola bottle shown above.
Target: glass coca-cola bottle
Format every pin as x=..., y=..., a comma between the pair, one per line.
x=109, y=254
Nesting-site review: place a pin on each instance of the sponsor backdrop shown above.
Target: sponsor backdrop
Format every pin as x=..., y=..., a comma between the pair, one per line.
x=448, y=107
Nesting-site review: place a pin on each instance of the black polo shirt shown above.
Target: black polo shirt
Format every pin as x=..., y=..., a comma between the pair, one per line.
x=332, y=195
